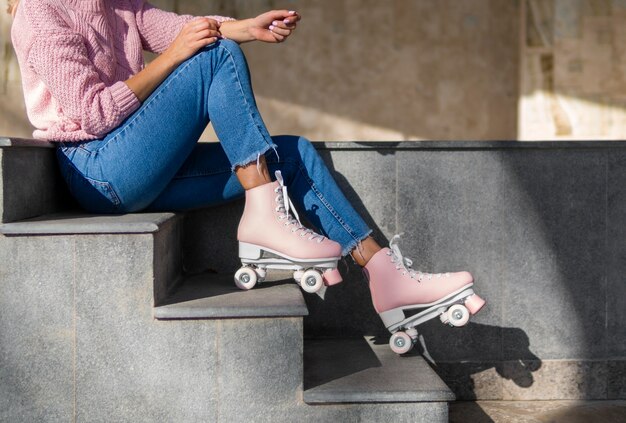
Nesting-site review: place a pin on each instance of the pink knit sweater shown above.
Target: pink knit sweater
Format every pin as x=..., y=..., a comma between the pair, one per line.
x=74, y=56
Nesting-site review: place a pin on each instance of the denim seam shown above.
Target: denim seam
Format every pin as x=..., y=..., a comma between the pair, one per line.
x=332, y=211
x=207, y=173
x=269, y=143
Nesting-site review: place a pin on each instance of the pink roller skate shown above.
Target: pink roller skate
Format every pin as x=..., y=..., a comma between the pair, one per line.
x=271, y=238
x=396, y=287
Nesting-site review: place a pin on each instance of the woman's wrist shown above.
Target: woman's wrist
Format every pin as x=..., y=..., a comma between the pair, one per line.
x=238, y=31
x=168, y=57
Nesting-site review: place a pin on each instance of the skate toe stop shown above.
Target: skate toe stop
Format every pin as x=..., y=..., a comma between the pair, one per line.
x=332, y=277
x=474, y=303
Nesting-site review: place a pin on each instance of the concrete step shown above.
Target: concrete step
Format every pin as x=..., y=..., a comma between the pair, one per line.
x=79, y=297
x=30, y=182
x=213, y=296
x=76, y=294
x=75, y=223
x=160, y=233
x=362, y=380
x=366, y=371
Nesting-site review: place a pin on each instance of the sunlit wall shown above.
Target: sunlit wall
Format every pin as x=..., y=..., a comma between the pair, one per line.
x=573, y=69
x=421, y=69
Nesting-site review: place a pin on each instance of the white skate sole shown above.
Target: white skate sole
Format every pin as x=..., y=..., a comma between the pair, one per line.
x=311, y=274
x=453, y=310
x=394, y=319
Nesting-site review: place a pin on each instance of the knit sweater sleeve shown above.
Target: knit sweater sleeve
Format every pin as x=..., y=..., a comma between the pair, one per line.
x=60, y=58
x=158, y=28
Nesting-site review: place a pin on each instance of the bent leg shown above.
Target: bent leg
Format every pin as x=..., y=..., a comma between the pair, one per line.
x=313, y=190
x=134, y=163
x=206, y=180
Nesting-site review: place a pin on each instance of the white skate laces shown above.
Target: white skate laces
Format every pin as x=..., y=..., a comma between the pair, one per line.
x=285, y=205
x=405, y=263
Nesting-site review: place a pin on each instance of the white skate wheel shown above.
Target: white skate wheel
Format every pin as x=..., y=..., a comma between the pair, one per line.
x=297, y=275
x=458, y=315
x=311, y=281
x=400, y=343
x=245, y=278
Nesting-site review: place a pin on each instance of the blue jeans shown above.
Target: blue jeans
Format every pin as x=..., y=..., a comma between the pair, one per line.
x=153, y=161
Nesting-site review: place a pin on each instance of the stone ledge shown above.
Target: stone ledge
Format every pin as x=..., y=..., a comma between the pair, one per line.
x=81, y=223
x=24, y=142
x=212, y=296
x=359, y=371
x=468, y=145
x=403, y=145
x=538, y=411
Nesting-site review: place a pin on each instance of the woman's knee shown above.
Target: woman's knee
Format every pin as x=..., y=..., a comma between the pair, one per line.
x=234, y=49
x=228, y=44
x=231, y=47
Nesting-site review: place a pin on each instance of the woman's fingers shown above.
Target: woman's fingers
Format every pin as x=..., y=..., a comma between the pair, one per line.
x=204, y=42
x=275, y=25
x=292, y=20
x=279, y=38
x=280, y=31
x=204, y=23
x=206, y=33
x=210, y=40
x=283, y=25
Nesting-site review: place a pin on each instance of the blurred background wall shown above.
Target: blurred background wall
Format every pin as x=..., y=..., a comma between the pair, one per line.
x=421, y=69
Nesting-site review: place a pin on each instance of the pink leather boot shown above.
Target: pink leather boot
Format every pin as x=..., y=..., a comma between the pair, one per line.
x=271, y=238
x=396, y=287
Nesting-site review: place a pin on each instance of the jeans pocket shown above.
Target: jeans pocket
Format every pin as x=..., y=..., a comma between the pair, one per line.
x=105, y=189
x=93, y=195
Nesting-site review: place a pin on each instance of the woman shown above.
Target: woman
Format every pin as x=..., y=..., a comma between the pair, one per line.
x=127, y=141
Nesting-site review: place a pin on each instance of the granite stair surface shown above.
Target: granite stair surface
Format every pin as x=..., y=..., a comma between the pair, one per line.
x=366, y=370
x=100, y=321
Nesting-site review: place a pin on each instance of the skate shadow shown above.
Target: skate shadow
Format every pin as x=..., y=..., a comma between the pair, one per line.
x=332, y=359
x=218, y=290
x=346, y=309
x=467, y=370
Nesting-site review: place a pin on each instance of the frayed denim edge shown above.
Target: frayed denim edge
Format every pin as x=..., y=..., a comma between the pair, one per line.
x=254, y=156
x=354, y=243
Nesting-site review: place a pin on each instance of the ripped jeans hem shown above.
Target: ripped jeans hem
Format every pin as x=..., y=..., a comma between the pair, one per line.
x=355, y=243
x=254, y=157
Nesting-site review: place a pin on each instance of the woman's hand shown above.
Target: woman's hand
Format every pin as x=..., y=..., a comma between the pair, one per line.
x=274, y=26
x=194, y=35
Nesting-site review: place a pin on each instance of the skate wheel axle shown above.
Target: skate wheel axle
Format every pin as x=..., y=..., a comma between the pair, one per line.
x=401, y=343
